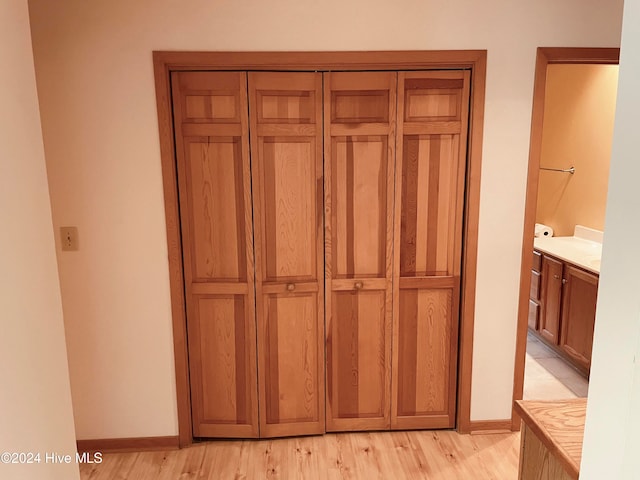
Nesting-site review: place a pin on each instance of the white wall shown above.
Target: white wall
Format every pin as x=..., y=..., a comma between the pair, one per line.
x=95, y=79
x=611, y=443
x=35, y=397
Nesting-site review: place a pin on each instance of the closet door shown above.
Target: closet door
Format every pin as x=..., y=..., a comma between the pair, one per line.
x=360, y=120
x=432, y=137
x=286, y=157
x=212, y=149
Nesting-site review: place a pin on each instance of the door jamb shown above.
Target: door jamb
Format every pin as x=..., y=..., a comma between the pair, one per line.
x=544, y=57
x=166, y=62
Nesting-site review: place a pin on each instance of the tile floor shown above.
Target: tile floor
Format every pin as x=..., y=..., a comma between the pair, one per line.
x=548, y=377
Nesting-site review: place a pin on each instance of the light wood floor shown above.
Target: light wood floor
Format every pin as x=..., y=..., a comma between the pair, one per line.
x=432, y=455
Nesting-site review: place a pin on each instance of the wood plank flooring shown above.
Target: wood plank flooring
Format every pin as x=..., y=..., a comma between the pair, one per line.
x=432, y=455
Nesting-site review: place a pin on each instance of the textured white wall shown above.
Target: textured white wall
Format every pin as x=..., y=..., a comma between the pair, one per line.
x=95, y=80
x=35, y=397
x=611, y=443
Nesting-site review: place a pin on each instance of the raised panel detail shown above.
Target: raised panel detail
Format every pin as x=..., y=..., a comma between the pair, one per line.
x=212, y=107
x=289, y=170
x=358, y=372
x=222, y=337
x=291, y=356
x=285, y=106
x=436, y=99
x=424, y=352
x=359, y=193
x=216, y=190
x=361, y=106
x=429, y=205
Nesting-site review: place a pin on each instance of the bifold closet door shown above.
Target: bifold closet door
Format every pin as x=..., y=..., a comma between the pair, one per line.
x=212, y=149
x=359, y=134
x=286, y=160
x=431, y=159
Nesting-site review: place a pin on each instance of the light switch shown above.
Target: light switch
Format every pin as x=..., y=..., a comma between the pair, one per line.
x=69, y=238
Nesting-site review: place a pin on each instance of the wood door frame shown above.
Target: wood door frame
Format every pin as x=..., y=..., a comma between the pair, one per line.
x=167, y=62
x=544, y=57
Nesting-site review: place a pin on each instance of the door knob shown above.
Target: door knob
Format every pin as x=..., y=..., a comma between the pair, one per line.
x=357, y=285
x=291, y=287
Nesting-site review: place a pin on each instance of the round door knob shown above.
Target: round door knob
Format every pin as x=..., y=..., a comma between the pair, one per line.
x=357, y=285
x=291, y=287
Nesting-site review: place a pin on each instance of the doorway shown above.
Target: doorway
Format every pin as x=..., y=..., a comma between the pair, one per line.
x=166, y=63
x=553, y=180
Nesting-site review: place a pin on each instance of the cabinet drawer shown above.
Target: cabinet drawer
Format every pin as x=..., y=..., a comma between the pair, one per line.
x=534, y=315
x=534, y=292
x=537, y=261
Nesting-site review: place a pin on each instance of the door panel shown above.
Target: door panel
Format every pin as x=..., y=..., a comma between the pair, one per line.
x=579, y=314
x=212, y=149
x=286, y=143
x=359, y=176
x=430, y=166
x=551, y=299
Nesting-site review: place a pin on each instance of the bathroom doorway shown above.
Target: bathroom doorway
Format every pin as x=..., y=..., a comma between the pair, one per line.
x=567, y=84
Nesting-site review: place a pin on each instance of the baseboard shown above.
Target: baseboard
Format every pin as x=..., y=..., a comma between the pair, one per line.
x=490, y=426
x=137, y=444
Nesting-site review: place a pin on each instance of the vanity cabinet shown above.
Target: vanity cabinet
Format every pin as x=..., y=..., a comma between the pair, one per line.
x=551, y=299
x=562, y=307
x=578, y=314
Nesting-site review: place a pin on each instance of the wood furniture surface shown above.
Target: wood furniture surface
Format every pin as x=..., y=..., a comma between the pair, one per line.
x=551, y=443
x=269, y=217
x=563, y=309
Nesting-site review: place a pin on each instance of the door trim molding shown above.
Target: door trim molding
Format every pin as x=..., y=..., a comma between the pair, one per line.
x=167, y=62
x=544, y=57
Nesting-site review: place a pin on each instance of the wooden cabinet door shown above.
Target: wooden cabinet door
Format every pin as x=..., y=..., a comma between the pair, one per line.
x=286, y=158
x=550, y=299
x=359, y=178
x=212, y=149
x=578, y=314
x=430, y=173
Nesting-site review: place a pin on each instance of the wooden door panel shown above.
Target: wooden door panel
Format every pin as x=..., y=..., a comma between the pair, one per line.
x=359, y=227
x=288, y=180
x=212, y=152
x=424, y=340
x=428, y=215
x=551, y=298
x=359, y=179
x=215, y=182
x=292, y=357
x=286, y=143
x=222, y=334
x=358, y=351
x=430, y=166
x=579, y=314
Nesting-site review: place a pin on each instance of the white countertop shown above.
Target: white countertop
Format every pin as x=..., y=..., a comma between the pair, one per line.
x=583, y=252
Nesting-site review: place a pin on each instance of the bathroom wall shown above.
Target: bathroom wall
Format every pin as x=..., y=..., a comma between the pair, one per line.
x=580, y=103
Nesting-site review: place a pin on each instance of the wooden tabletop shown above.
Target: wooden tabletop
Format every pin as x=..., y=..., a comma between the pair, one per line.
x=559, y=425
